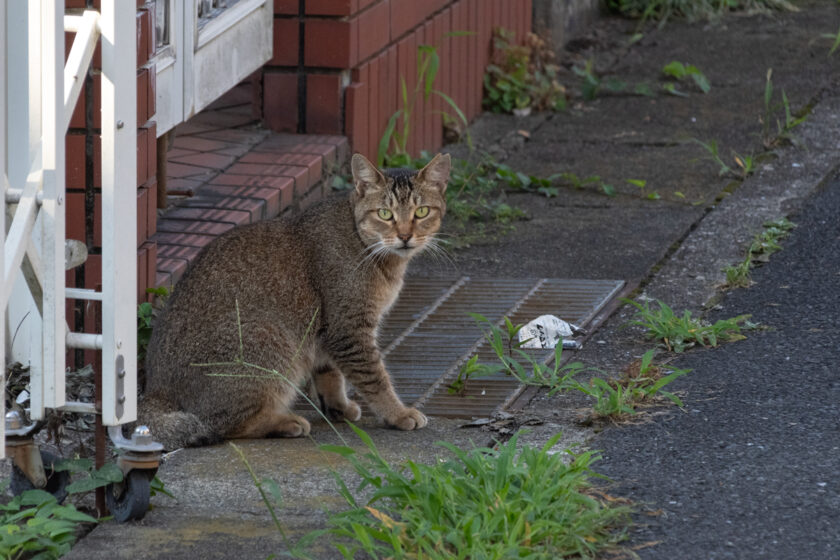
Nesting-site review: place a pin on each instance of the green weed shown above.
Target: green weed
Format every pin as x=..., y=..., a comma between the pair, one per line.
x=468, y=371
x=592, y=84
x=393, y=146
x=680, y=332
x=580, y=182
x=34, y=525
x=744, y=165
x=682, y=72
x=762, y=246
x=525, y=182
x=738, y=275
x=785, y=124
x=641, y=385
x=509, y=501
x=642, y=184
x=146, y=315
x=522, y=76
x=711, y=148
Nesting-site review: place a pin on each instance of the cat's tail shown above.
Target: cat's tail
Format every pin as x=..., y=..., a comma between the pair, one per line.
x=174, y=428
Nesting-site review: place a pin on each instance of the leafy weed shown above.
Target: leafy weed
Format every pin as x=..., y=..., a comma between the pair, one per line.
x=507, y=501
x=682, y=72
x=680, y=332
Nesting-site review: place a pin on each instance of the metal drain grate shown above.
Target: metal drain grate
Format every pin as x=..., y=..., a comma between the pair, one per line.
x=429, y=334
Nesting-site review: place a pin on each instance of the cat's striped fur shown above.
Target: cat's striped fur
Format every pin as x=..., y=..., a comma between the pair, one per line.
x=311, y=292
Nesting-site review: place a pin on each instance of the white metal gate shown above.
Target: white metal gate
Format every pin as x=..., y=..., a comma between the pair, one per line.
x=32, y=226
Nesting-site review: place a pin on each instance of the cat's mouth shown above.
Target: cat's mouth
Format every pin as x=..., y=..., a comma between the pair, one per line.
x=405, y=249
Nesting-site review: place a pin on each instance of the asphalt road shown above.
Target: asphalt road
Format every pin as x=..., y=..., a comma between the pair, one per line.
x=751, y=467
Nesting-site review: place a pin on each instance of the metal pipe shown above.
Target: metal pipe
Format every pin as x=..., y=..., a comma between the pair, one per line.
x=85, y=341
x=80, y=407
x=13, y=196
x=98, y=428
x=81, y=293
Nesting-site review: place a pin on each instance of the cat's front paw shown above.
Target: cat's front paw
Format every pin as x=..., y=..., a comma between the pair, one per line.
x=408, y=419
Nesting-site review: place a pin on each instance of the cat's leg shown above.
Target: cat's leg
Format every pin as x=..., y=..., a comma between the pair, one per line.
x=329, y=382
x=357, y=357
x=273, y=419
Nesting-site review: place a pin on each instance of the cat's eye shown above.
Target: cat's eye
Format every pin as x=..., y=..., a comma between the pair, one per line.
x=385, y=214
x=422, y=212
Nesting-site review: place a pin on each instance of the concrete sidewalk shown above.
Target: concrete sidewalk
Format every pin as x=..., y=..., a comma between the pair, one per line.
x=675, y=247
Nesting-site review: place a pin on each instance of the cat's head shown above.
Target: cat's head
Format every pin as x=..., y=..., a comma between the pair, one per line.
x=399, y=210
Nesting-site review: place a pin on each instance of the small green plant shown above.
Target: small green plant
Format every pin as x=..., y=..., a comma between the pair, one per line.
x=785, y=124
x=642, y=184
x=682, y=72
x=592, y=83
x=509, y=501
x=522, y=76
x=522, y=181
x=641, y=385
x=91, y=478
x=393, y=146
x=341, y=182
x=744, y=165
x=146, y=315
x=468, y=371
x=578, y=183
x=520, y=364
x=680, y=332
x=712, y=148
x=762, y=246
x=738, y=275
x=34, y=525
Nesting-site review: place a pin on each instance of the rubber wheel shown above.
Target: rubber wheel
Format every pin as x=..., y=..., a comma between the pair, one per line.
x=56, y=481
x=129, y=500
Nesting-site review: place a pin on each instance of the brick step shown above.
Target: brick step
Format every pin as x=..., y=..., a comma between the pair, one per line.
x=236, y=176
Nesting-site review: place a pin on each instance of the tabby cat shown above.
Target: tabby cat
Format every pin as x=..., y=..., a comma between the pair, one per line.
x=311, y=292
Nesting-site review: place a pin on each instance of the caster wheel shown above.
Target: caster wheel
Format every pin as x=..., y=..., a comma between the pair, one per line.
x=129, y=500
x=56, y=481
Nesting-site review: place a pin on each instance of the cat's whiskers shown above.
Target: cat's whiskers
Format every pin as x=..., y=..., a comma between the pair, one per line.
x=437, y=251
x=375, y=252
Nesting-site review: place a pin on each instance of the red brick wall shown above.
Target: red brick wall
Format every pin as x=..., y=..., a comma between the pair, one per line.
x=83, y=180
x=355, y=51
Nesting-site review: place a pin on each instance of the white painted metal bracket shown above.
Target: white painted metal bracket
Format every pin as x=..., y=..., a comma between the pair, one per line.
x=35, y=244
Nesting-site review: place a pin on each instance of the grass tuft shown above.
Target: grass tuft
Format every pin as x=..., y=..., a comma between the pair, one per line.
x=509, y=501
x=680, y=332
x=763, y=245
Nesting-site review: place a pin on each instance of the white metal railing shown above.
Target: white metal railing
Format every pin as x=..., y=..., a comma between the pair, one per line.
x=4, y=185
x=34, y=247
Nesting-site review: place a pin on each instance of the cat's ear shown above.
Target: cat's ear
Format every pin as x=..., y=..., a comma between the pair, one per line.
x=436, y=172
x=365, y=174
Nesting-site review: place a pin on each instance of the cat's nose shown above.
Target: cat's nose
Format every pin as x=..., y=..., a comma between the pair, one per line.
x=404, y=237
